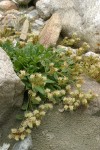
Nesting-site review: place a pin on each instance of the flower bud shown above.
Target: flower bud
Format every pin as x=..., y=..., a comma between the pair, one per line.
x=71, y=108
x=42, y=113
x=47, y=90
x=38, y=122
x=84, y=102
x=65, y=107
x=35, y=112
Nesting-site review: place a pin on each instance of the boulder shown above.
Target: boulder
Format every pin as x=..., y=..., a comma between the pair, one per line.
x=11, y=87
x=10, y=20
x=51, y=31
x=13, y=19
x=7, y=5
x=44, y=8
x=82, y=17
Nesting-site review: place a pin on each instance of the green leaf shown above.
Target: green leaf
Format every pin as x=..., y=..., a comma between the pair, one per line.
x=64, y=70
x=55, y=76
x=50, y=81
x=57, y=86
x=24, y=106
x=70, y=62
x=27, y=84
x=40, y=89
x=35, y=102
x=20, y=117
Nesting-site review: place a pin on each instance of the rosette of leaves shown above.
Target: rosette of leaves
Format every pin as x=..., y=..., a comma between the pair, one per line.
x=49, y=75
x=45, y=71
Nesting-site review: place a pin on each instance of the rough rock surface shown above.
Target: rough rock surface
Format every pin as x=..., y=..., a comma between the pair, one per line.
x=91, y=84
x=37, y=26
x=78, y=16
x=7, y=5
x=32, y=15
x=13, y=19
x=59, y=131
x=25, y=29
x=45, y=8
x=11, y=87
x=26, y=144
x=79, y=130
x=51, y=31
x=10, y=20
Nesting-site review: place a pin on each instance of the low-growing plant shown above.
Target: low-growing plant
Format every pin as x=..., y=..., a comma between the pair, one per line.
x=70, y=41
x=91, y=65
x=32, y=119
x=45, y=72
x=77, y=98
x=49, y=75
x=6, y=32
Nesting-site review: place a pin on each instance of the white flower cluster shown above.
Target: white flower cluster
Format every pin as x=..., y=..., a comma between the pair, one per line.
x=77, y=98
x=37, y=79
x=32, y=119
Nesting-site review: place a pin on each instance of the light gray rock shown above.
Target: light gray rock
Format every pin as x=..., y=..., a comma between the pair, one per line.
x=39, y=21
x=23, y=145
x=10, y=20
x=5, y=146
x=47, y=7
x=32, y=15
x=92, y=54
x=14, y=19
x=78, y=16
x=11, y=87
x=64, y=48
x=37, y=26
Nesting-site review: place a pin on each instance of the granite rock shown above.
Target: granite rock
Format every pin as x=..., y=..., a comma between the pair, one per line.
x=11, y=87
